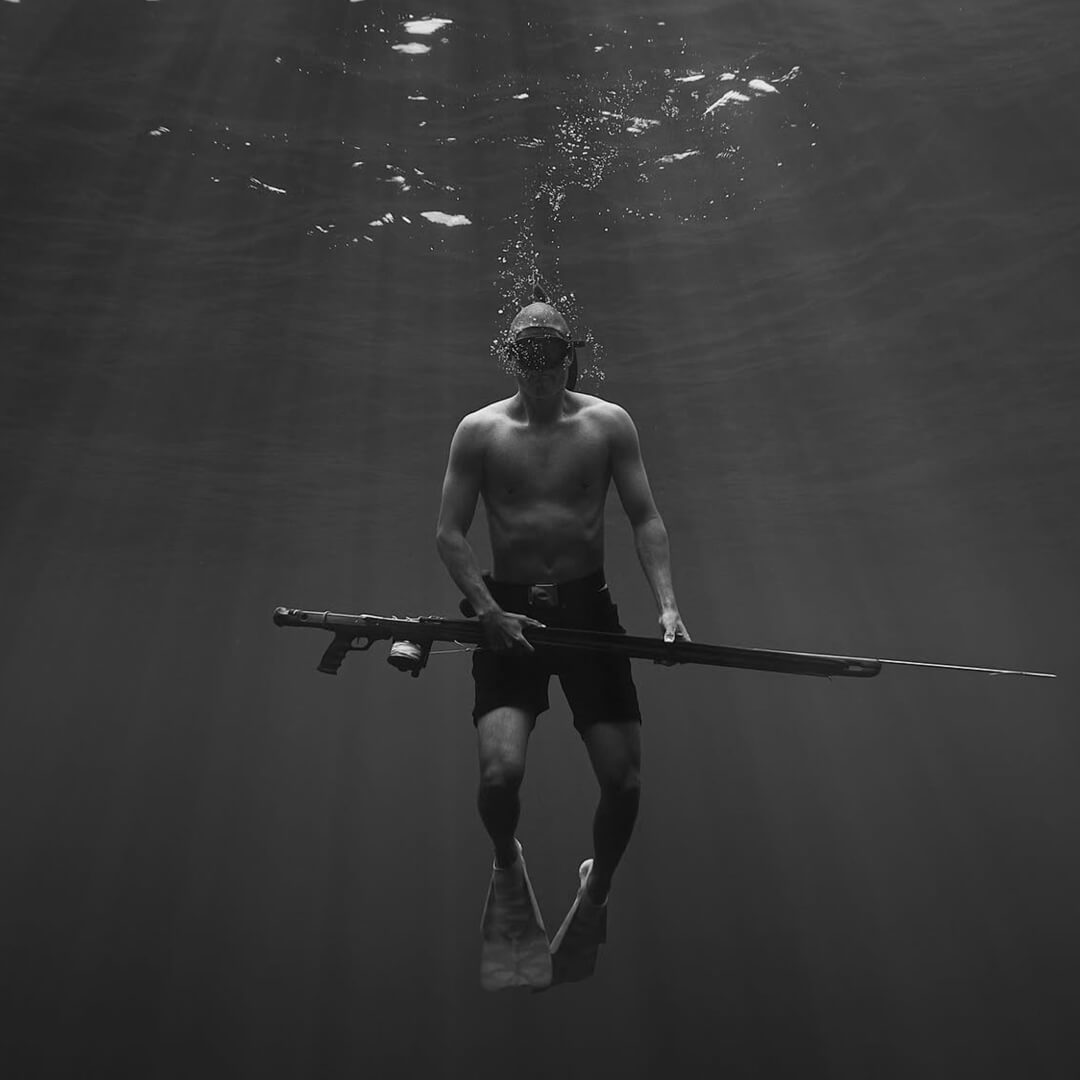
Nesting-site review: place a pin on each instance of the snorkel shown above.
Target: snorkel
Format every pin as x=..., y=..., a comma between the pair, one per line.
x=540, y=321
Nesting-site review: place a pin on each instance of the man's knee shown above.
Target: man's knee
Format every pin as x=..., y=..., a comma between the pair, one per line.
x=623, y=787
x=499, y=774
x=503, y=743
x=615, y=753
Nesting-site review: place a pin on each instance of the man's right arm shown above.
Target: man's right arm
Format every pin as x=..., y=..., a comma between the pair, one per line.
x=461, y=488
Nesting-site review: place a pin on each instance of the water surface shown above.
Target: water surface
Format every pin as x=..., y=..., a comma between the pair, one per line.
x=255, y=257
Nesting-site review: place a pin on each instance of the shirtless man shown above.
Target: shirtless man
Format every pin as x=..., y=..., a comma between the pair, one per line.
x=543, y=461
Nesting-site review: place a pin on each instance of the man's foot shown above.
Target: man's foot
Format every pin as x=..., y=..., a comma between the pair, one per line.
x=514, y=946
x=574, y=948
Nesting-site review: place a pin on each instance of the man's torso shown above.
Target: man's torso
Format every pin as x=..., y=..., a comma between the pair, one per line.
x=544, y=490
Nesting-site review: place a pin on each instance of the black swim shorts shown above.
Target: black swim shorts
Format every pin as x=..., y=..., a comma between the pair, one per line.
x=598, y=686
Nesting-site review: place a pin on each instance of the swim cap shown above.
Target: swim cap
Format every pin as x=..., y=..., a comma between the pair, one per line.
x=539, y=319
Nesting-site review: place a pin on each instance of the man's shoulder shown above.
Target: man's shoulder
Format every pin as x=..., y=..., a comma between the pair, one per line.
x=482, y=419
x=608, y=413
x=476, y=429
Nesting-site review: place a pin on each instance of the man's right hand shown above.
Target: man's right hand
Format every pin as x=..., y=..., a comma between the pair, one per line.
x=504, y=630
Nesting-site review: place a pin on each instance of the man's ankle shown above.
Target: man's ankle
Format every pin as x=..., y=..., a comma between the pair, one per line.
x=505, y=858
x=597, y=889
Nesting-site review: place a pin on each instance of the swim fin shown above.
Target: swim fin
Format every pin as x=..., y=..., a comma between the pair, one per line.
x=574, y=948
x=514, y=947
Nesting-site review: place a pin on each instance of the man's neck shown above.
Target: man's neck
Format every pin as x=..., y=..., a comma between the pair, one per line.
x=542, y=412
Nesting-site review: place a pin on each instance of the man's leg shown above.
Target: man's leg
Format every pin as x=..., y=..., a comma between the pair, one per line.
x=503, y=739
x=615, y=753
x=514, y=945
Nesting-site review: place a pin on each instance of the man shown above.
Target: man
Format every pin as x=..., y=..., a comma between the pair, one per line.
x=543, y=461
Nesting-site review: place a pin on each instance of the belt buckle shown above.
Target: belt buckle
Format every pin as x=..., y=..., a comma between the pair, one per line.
x=544, y=595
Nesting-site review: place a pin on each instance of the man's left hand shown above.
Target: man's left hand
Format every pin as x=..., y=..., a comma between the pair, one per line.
x=672, y=623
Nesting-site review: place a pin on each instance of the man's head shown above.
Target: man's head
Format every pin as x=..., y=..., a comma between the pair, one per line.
x=541, y=349
x=539, y=319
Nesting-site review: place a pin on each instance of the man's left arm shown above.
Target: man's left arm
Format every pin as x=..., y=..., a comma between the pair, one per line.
x=650, y=535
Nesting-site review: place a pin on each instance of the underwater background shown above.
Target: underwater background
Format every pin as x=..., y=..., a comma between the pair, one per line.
x=255, y=260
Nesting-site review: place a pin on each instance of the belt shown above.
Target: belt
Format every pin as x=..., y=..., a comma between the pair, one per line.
x=548, y=594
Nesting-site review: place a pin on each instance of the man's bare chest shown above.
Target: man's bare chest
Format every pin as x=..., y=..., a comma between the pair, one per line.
x=566, y=463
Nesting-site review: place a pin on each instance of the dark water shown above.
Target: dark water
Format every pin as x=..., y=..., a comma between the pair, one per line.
x=843, y=312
